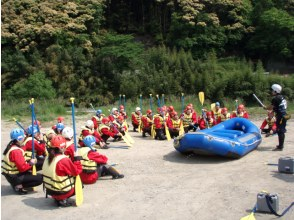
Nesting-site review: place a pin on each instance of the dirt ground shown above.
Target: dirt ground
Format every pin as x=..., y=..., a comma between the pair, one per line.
x=161, y=183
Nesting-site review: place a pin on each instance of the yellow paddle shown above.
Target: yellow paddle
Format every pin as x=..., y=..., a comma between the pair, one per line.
x=201, y=97
x=129, y=137
x=251, y=216
x=78, y=183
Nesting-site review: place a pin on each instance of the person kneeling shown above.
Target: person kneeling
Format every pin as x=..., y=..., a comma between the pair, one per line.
x=95, y=164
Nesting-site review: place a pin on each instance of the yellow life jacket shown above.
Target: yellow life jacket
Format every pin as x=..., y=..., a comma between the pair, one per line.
x=225, y=117
x=217, y=113
x=176, y=123
x=89, y=166
x=9, y=167
x=101, y=127
x=28, y=154
x=271, y=121
x=187, y=119
x=54, y=182
x=138, y=117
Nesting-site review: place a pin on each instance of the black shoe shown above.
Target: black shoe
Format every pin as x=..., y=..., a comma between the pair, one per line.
x=143, y=134
x=118, y=176
x=105, y=147
x=64, y=203
x=20, y=191
x=278, y=149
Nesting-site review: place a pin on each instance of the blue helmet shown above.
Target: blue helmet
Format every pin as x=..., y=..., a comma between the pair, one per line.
x=59, y=127
x=98, y=112
x=17, y=134
x=89, y=140
x=217, y=104
x=32, y=129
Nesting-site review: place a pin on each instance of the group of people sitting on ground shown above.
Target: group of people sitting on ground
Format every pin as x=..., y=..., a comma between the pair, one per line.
x=57, y=158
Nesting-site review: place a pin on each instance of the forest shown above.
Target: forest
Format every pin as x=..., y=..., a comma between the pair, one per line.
x=95, y=50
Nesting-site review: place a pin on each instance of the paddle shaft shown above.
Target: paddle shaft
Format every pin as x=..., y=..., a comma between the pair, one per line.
x=259, y=101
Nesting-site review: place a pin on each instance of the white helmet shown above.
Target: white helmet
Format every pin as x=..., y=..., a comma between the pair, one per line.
x=277, y=88
x=138, y=109
x=90, y=124
x=113, y=110
x=67, y=132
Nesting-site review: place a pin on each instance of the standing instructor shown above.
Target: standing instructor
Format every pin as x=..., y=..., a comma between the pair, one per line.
x=279, y=106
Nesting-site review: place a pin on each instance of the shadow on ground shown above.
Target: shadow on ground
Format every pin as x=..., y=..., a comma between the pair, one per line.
x=192, y=158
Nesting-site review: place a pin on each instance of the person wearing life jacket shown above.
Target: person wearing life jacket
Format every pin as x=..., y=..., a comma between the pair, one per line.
x=241, y=112
x=270, y=123
x=39, y=146
x=190, y=121
x=146, y=122
x=60, y=119
x=122, y=112
x=216, y=111
x=279, y=106
x=94, y=164
x=119, y=125
x=59, y=173
x=159, y=124
x=224, y=115
x=97, y=118
x=88, y=129
x=207, y=121
x=58, y=128
x=136, y=118
x=106, y=131
x=15, y=168
x=174, y=124
x=67, y=133
x=114, y=114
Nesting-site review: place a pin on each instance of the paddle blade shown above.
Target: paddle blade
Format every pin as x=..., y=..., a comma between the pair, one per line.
x=168, y=137
x=201, y=97
x=128, y=136
x=140, y=127
x=79, y=191
x=249, y=217
x=212, y=106
x=127, y=141
x=182, y=131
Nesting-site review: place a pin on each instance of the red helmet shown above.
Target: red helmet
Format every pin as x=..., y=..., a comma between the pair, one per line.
x=190, y=104
x=163, y=108
x=208, y=114
x=60, y=119
x=173, y=114
x=121, y=107
x=58, y=141
x=188, y=107
x=224, y=110
x=171, y=108
x=149, y=111
x=37, y=123
x=241, y=106
x=159, y=109
x=105, y=120
x=121, y=118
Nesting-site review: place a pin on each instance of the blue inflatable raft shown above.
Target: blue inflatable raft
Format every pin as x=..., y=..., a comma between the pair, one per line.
x=233, y=138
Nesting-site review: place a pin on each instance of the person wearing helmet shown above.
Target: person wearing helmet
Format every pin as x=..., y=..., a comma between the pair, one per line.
x=122, y=112
x=59, y=172
x=146, y=123
x=67, y=133
x=279, y=106
x=48, y=137
x=216, y=111
x=94, y=164
x=189, y=118
x=39, y=146
x=174, y=124
x=270, y=123
x=119, y=127
x=58, y=128
x=60, y=119
x=224, y=115
x=106, y=131
x=15, y=167
x=136, y=118
x=241, y=112
x=207, y=121
x=97, y=118
x=114, y=114
x=159, y=124
x=88, y=129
